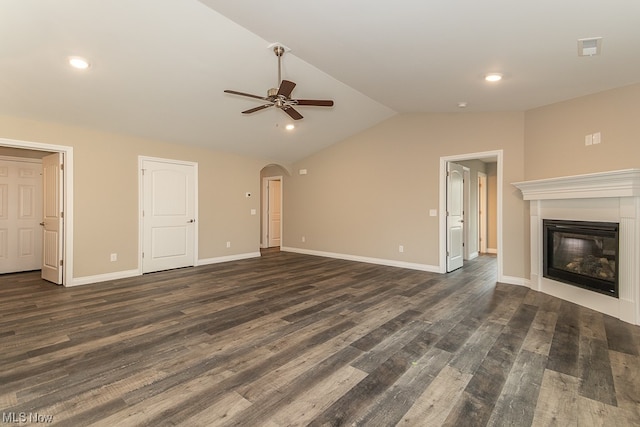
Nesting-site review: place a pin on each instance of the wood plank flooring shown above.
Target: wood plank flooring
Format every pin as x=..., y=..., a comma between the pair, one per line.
x=294, y=340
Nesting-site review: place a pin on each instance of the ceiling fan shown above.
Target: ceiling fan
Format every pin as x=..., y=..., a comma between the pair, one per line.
x=281, y=97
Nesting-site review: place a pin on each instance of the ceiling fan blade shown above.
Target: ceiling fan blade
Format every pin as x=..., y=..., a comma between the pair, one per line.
x=286, y=87
x=314, y=102
x=292, y=113
x=253, y=110
x=233, y=92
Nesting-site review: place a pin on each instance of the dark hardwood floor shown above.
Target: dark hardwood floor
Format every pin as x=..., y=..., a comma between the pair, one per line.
x=289, y=339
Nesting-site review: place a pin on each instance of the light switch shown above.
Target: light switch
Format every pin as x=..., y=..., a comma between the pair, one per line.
x=588, y=140
x=433, y=212
x=596, y=138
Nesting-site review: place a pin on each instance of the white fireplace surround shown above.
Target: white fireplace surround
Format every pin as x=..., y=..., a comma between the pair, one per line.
x=606, y=196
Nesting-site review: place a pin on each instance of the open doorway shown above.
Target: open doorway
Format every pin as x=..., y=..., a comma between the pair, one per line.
x=271, y=200
x=480, y=214
x=58, y=253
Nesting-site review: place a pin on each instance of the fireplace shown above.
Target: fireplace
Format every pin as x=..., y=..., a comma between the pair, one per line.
x=582, y=253
x=602, y=198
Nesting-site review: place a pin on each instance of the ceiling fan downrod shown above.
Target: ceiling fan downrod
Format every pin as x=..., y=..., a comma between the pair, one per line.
x=279, y=51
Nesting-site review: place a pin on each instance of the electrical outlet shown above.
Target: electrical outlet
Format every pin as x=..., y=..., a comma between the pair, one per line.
x=228, y=244
x=304, y=239
x=400, y=248
x=114, y=257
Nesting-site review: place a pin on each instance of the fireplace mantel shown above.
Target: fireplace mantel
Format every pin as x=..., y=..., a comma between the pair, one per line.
x=605, y=196
x=621, y=183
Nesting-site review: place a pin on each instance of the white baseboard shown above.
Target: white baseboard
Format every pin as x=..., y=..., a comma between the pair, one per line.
x=492, y=251
x=511, y=280
x=473, y=255
x=228, y=258
x=379, y=261
x=87, y=280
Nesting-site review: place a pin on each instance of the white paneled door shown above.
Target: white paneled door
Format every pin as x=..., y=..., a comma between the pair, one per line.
x=52, y=247
x=20, y=215
x=169, y=215
x=275, y=206
x=455, y=212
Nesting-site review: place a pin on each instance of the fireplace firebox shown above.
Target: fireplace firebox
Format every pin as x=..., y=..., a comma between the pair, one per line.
x=582, y=253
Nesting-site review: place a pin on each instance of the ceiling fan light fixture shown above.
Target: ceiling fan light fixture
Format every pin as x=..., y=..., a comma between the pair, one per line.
x=290, y=126
x=493, y=77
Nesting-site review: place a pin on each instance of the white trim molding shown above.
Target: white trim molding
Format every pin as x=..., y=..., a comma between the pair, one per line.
x=67, y=208
x=227, y=258
x=90, y=280
x=622, y=183
x=368, y=260
x=499, y=156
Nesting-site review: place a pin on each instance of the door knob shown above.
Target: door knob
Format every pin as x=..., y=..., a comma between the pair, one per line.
x=42, y=223
x=191, y=221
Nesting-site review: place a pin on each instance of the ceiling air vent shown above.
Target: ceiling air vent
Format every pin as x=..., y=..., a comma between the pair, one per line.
x=589, y=47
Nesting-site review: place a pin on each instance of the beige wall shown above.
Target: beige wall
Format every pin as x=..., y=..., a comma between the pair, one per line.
x=106, y=194
x=363, y=196
x=555, y=135
x=373, y=191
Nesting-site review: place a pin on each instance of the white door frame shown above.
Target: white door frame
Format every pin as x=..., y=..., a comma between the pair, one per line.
x=497, y=154
x=265, y=209
x=482, y=212
x=67, y=202
x=141, y=160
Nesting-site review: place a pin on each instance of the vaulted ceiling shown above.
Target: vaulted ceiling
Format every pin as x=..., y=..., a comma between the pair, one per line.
x=159, y=68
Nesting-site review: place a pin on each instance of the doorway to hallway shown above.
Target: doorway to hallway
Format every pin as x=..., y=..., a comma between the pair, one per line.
x=479, y=215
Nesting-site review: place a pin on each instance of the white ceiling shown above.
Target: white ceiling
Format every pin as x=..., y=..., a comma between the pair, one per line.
x=159, y=68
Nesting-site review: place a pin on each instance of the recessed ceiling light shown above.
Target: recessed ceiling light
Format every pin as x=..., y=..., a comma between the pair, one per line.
x=290, y=127
x=493, y=77
x=79, y=63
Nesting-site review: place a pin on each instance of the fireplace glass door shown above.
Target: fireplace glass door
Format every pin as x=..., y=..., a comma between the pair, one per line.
x=583, y=254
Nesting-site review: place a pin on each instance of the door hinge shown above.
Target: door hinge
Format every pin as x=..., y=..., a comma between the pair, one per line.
x=142, y=254
x=143, y=171
x=61, y=166
x=61, y=262
x=61, y=214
